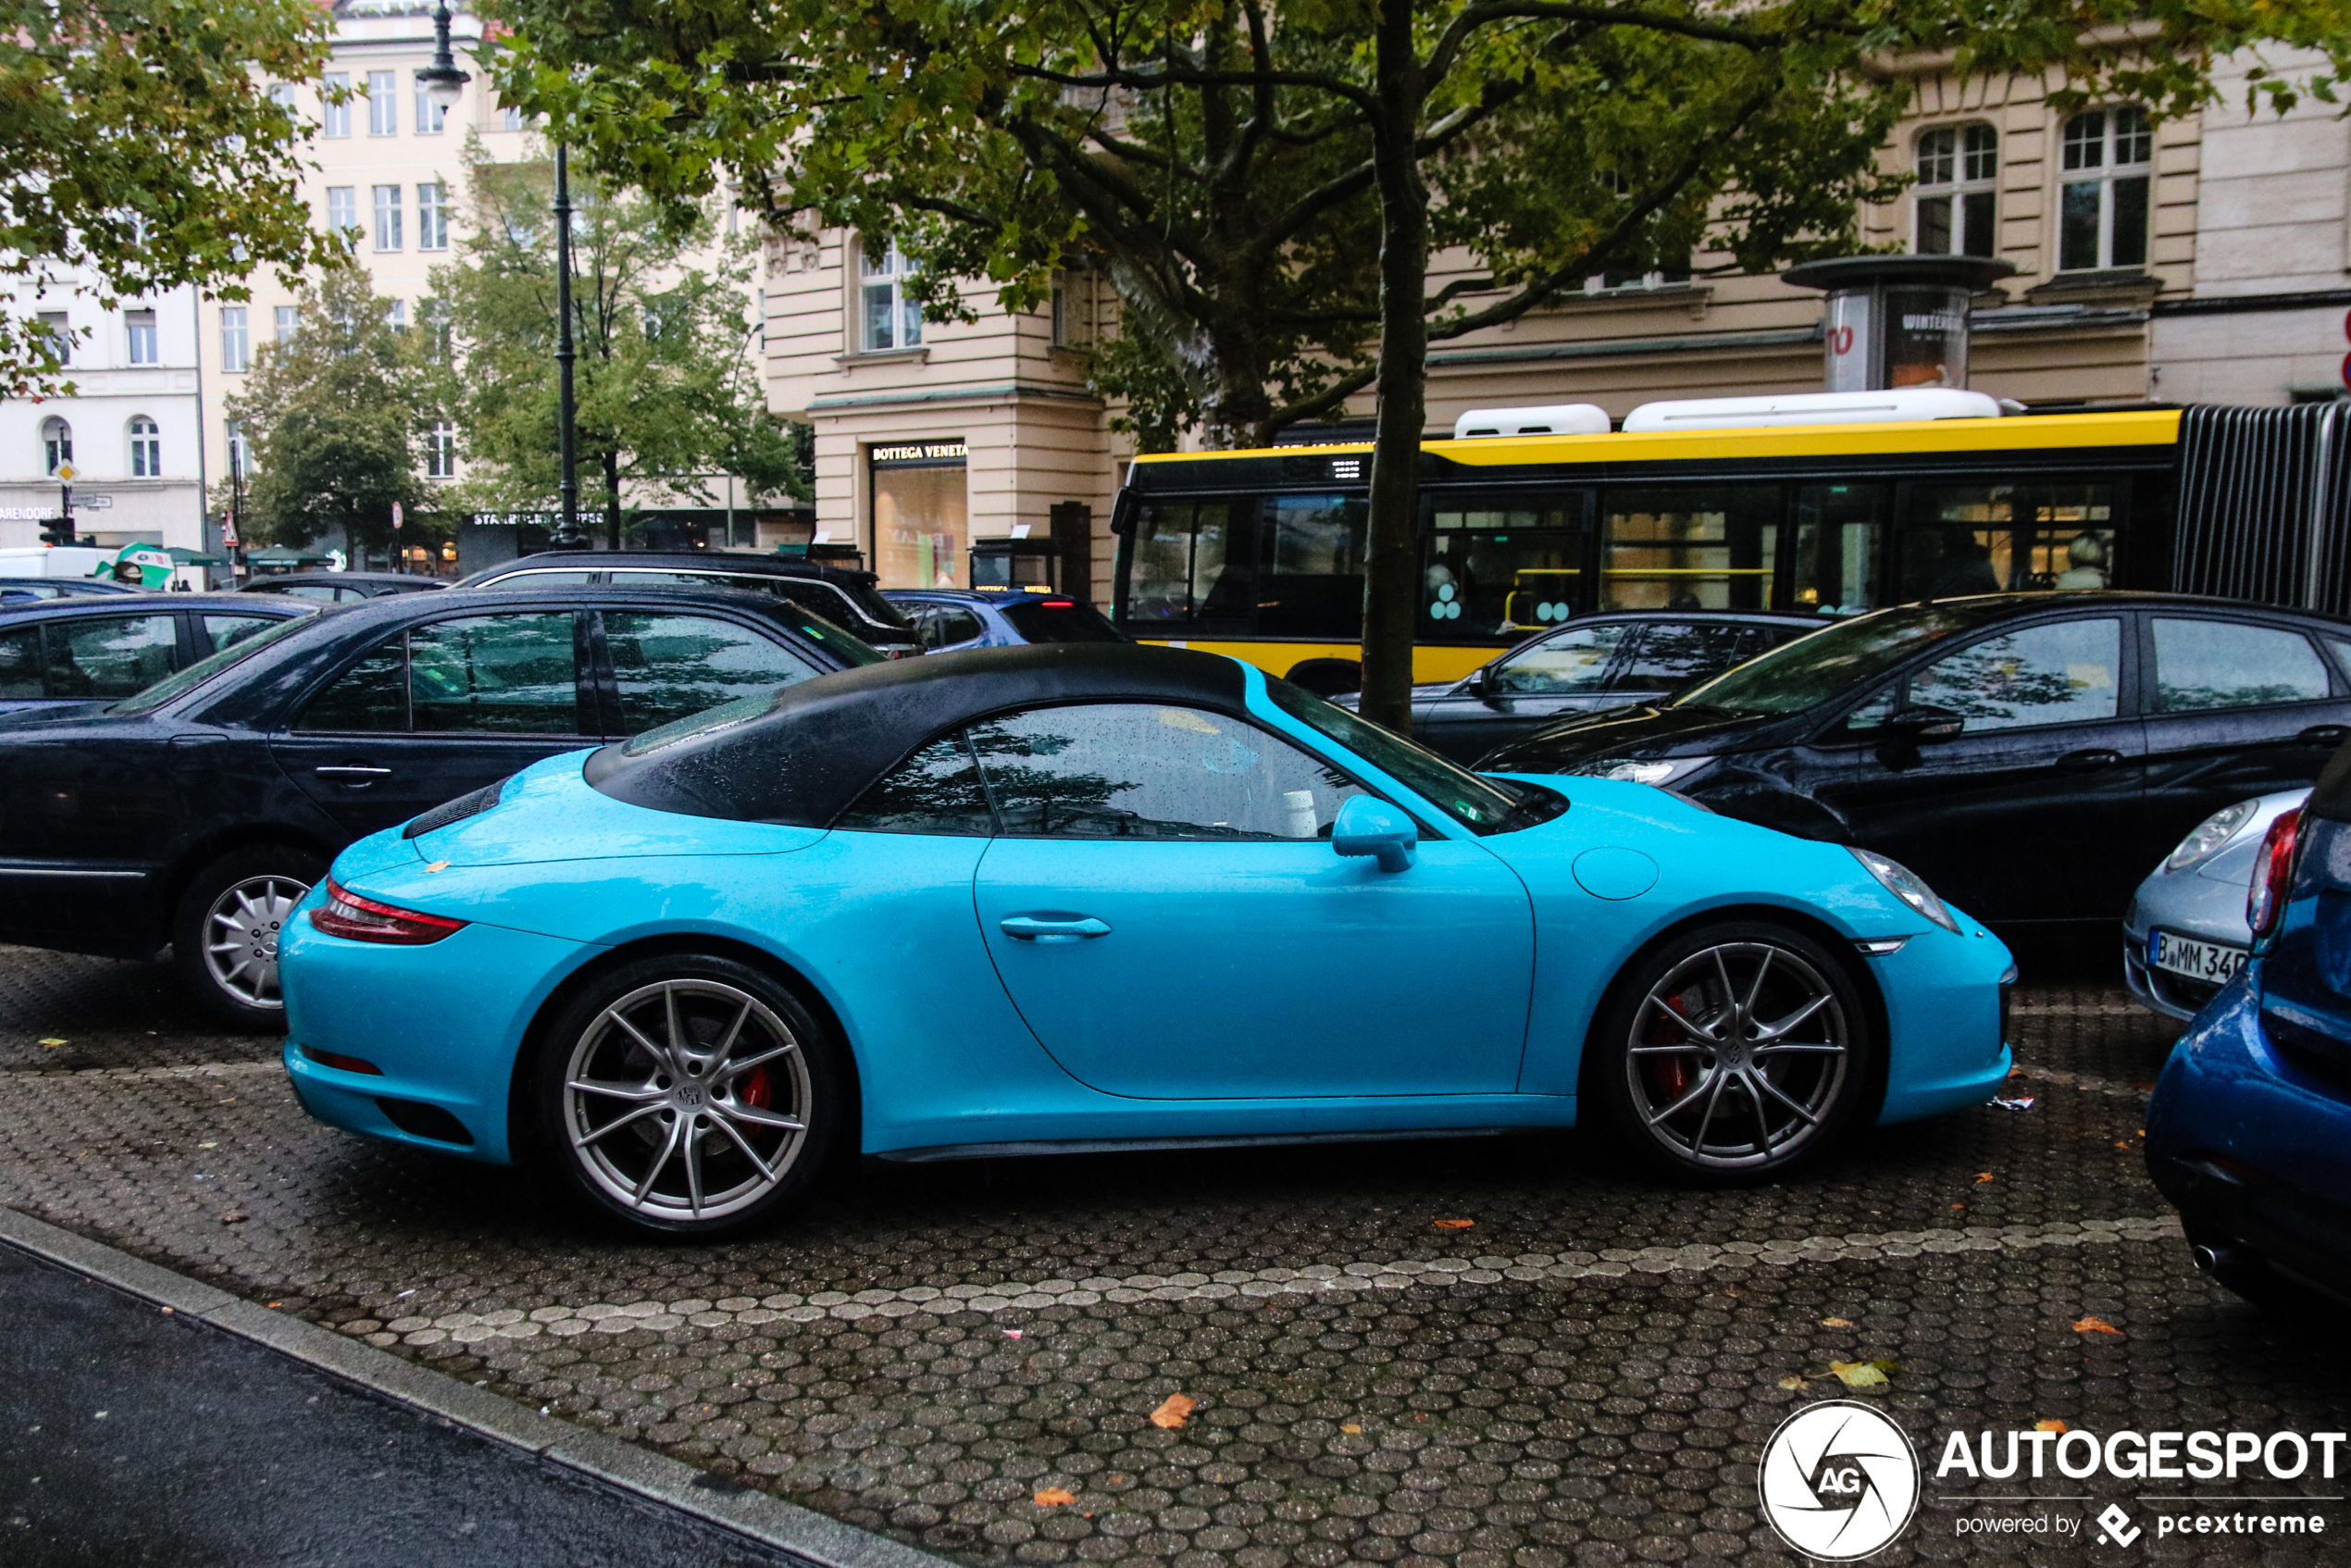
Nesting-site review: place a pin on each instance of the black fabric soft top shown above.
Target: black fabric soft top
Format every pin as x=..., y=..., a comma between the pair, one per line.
x=821, y=743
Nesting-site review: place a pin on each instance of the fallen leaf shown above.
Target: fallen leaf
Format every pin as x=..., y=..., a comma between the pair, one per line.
x=53, y=1042
x=234, y=1216
x=2122, y=1146
x=1982, y=1177
x=275, y=1305
x=1792, y=1381
x=1862, y=1374
x=1455, y=1224
x=2050, y=1426
x=1837, y=1322
x=1352, y=1429
x=2096, y=1326
x=1172, y=1411
x=1958, y=1205
x=2015, y=1072
x=437, y=865
x=208, y=1146
x=1053, y=1497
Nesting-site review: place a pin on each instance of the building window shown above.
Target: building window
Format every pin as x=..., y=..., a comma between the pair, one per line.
x=334, y=114
x=384, y=105
x=1959, y=191
x=236, y=345
x=60, y=331
x=343, y=209
x=286, y=323
x=240, y=451
x=430, y=115
x=146, y=449
x=441, y=451
x=56, y=445
x=387, y=217
x=2109, y=180
x=142, y=328
x=433, y=217
x=282, y=94
x=396, y=316
x=888, y=318
x=510, y=119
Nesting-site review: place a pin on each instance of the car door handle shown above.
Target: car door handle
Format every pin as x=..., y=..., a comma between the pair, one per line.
x=2324, y=734
x=2081, y=761
x=1054, y=927
x=357, y=774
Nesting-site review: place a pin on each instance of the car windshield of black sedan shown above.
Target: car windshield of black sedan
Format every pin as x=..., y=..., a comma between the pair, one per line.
x=1812, y=669
x=196, y=675
x=847, y=646
x=1483, y=805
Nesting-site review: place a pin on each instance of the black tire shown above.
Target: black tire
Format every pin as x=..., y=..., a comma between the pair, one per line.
x=752, y=1055
x=1771, y=1101
x=224, y=931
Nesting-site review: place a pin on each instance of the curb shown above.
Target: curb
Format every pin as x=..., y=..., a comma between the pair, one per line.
x=814, y=1538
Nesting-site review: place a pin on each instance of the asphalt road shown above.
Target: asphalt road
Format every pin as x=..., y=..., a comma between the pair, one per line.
x=130, y=1435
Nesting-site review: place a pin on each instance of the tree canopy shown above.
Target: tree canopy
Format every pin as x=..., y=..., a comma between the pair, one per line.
x=139, y=141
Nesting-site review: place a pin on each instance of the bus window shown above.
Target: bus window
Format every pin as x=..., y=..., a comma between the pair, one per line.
x=1711, y=547
x=1313, y=581
x=1840, y=529
x=1190, y=567
x=1501, y=566
x=2008, y=539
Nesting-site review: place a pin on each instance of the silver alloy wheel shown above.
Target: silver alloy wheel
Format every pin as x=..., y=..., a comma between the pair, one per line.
x=687, y=1100
x=241, y=938
x=1737, y=1056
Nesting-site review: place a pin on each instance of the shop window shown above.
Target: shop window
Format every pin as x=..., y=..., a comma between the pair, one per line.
x=1957, y=213
x=921, y=529
x=1712, y=547
x=2109, y=183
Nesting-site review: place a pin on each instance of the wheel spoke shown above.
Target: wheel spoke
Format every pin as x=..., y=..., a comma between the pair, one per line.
x=1774, y=1030
x=1730, y=992
x=1781, y=1095
x=661, y=1058
x=1698, y=1143
x=1683, y=1021
x=736, y=1111
x=734, y=1030
x=677, y=1032
x=727, y=1127
x=668, y=1147
x=1755, y=992
x=736, y=1069
x=1711, y=1080
x=639, y=1114
x=693, y=1163
x=1675, y=1050
x=615, y=1090
x=1799, y=1049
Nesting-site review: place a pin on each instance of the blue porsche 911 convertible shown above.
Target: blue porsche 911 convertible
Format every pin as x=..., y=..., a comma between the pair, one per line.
x=1091, y=896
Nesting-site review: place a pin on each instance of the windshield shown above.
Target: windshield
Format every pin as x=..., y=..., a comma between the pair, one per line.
x=849, y=647
x=1061, y=620
x=196, y=675
x=1828, y=663
x=1483, y=805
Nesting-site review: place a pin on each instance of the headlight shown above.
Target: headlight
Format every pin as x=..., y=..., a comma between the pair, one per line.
x=1904, y=884
x=2209, y=834
x=1663, y=771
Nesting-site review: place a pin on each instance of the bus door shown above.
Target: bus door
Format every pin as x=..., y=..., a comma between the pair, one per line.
x=1499, y=565
x=1690, y=547
x=1839, y=545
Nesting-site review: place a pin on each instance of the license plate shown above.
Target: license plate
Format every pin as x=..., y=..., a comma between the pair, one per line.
x=2215, y=962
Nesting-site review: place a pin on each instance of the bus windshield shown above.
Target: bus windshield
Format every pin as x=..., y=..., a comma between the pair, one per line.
x=1816, y=668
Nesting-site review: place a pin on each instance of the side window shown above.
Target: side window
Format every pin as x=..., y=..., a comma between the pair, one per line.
x=1140, y=770
x=667, y=667
x=1875, y=710
x=113, y=657
x=1672, y=655
x=495, y=675
x=322, y=591
x=368, y=698
x=1571, y=661
x=948, y=628
x=20, y=666
x=936, y=791
x=2203, y=665
x=2065, y=673
x=219, y=631
x=544, y=579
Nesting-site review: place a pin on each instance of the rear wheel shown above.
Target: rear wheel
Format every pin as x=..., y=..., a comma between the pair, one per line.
x=225, y=930
x=689, y=1094
x=1733, y=1053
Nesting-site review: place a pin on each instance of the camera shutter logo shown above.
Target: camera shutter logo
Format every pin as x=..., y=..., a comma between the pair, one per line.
x=1839, y=1480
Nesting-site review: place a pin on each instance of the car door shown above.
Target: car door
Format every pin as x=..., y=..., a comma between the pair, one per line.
x=1164, y=909
x=447, y=706
x=665, y=664
x=2235, y=708
x=2030, y=812
x=1565, y=673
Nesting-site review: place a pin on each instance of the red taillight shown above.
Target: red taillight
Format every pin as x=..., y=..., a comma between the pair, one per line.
x=2273, y=874
x=342, y=1063
x=364, y=920
x=1057, y=604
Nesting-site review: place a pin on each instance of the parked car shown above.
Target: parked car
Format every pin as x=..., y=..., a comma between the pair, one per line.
x=2184, y=934
x=952, y=619
x=844, y=597
x=681, y=975
x=2249, y=1129
x=62, y=652
x=199, y=811
x=1597, y=662
x=15, y=590
x=2029, y=754
x=340, y=588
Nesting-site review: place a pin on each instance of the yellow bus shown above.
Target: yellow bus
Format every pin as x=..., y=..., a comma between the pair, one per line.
x=1260, y=553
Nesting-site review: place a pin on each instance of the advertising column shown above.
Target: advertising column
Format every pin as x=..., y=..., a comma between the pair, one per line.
x=920, y=517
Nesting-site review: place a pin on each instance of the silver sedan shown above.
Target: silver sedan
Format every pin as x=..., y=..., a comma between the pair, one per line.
x=2184, y=934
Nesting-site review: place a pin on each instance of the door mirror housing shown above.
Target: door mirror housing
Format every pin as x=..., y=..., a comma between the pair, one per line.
x=1475, y=685
x=1926, y=722
x=1368, y=827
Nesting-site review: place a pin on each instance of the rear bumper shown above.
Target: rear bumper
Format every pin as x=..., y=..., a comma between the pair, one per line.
x=2253, y=1147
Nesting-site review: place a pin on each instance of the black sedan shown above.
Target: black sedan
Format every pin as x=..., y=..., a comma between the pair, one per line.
x=57, y=652
x=2031, y=755
x=844, y=597
x=198, y=812
x=1594, y=662
x=340, y=588
x=17, y=591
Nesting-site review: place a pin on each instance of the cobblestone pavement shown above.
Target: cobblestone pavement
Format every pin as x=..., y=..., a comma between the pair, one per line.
x=1585, y=1373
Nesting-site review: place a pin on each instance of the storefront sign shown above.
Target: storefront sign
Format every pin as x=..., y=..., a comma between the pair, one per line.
x=918, y=455
x=27, y=514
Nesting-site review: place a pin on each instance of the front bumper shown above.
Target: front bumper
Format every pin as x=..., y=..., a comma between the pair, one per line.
x=2253, y=1144
x=1946, y=1003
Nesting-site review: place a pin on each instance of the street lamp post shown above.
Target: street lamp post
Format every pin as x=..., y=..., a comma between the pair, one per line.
x=567, y=535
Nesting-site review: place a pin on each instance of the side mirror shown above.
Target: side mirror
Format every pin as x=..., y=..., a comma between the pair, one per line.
x=1375, y=829
x=1926, y=722
x=1475, y=685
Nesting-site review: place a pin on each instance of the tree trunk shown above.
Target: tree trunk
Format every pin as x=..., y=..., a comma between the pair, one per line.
x=1392, y=569
x=612, y=500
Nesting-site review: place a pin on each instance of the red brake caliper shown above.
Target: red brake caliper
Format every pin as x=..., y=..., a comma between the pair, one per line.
x=755, y=1091
x=1672, y=1073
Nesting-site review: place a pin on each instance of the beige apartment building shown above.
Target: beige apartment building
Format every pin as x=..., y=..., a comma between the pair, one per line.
x=2203, y=258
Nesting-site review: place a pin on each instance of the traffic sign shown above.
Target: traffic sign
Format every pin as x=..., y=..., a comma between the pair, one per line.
x=66, y=473
x=397, y=513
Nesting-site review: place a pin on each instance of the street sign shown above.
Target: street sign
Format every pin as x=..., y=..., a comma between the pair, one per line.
x=397, y=513
x=67, y=473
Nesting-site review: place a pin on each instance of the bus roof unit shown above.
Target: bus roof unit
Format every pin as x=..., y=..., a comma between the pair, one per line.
x=1813, y=408
x=1557, y=419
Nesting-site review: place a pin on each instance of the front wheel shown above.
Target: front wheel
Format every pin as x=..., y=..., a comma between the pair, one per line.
x=1731, y=1053
x=225, y=930
x=689, y=1094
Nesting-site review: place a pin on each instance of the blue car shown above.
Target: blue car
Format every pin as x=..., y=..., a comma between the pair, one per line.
x=950, y=620
x=1091, y=896
x=2249, y=1130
